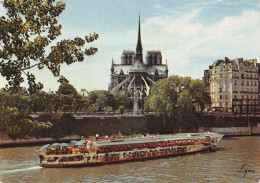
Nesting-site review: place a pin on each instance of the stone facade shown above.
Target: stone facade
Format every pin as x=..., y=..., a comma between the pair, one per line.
x=233, y=83
x=135, y=77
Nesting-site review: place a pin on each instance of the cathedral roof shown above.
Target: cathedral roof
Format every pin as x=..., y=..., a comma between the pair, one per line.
x=150, y=69
x=138, y=67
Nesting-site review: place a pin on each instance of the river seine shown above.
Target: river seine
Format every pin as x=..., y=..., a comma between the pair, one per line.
x=236, y=159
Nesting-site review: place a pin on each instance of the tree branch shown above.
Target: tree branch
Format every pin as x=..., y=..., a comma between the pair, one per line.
x=30, y=67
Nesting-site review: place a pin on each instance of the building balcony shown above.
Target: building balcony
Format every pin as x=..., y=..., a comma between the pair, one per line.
x=249, y=92
x=251, y=71
x=252, y=78
x=223, y=91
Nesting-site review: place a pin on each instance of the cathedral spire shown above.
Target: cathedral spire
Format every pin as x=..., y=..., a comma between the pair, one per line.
x=139, y=48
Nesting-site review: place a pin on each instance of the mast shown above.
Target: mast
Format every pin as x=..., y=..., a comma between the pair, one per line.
x=139, y=48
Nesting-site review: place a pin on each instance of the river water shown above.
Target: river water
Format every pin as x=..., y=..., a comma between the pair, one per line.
x=220, y=165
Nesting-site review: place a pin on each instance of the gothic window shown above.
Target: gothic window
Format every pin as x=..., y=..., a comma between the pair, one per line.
x=126, y=60
x=130, y=60
x=155, y=60
x=151, y=60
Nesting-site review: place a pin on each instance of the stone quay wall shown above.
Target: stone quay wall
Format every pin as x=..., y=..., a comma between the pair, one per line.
x=112, y=125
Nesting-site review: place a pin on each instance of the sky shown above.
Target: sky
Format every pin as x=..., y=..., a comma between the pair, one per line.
x=191, y=34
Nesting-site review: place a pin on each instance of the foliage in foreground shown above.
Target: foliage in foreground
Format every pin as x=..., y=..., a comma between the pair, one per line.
x=28, y=39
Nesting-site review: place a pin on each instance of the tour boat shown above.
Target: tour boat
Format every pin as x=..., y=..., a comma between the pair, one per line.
x=102, y=151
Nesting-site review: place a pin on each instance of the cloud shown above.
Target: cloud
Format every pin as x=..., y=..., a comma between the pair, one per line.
x=187, y=43
x=179, y=30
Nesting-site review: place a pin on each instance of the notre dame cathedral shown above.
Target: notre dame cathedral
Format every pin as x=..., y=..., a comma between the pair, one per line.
x=133, y=76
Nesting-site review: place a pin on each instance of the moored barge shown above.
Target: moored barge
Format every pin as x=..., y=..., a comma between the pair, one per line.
x=103, y=151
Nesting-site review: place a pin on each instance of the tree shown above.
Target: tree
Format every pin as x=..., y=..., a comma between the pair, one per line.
x=164, y=95
x=174, y=93
x=42, y=102
x=67, y=89
x=18, y=125
x=199, y=94
x=122, y=109
x=28, y=30
x=101, y=99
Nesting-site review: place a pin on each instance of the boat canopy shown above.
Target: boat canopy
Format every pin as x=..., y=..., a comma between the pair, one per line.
x=44, y=147
x=55, y=145
x=64, y=145
x=79, y=143
x=161, y=138
x=73, y=141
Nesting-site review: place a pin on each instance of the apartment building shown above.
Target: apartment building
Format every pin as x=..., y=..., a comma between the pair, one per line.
x=233, y=84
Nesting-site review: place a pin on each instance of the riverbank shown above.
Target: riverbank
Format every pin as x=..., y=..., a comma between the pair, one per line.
x=6, y=141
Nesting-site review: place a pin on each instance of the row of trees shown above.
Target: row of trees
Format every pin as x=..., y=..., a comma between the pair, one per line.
x=175, y=98
x=16, y=108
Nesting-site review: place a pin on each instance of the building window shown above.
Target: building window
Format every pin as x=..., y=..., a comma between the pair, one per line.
x=247, y=83
x=235, y=82
x=226, y=97
x=221, y=75
x=235, y=96
x=242, y=84
x=242, y=97
x=255, y=83
x=242, y=76
x=155, y=60
x=220, y=89
x=220, y=97
x=226, y=104
x=220, y=104
x=252, y=83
